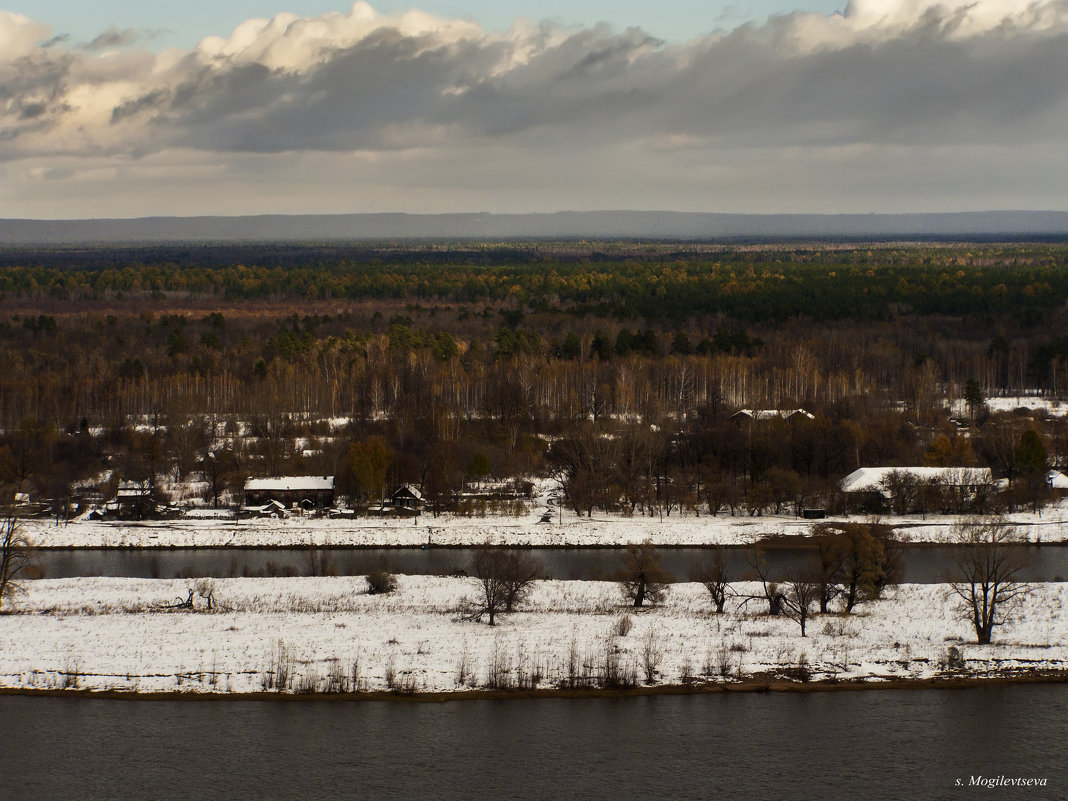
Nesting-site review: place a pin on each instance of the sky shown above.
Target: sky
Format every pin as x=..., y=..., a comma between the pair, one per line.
x=125, y=109
x=185, y=24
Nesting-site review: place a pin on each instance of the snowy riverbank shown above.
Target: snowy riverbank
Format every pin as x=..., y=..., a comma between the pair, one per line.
x=328, y=634
x=1050, y=526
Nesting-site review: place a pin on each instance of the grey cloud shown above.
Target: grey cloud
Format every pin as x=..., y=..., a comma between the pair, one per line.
x=31, y=111
x=114, y=37
x=607, y=52
x=34, y=89
x=922, y=84
x=920, y=87
x=907, y=91
x=152, y=101
x=349, y=101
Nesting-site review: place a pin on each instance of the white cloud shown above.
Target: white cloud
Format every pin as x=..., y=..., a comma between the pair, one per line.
x=955, y=18
x=441, y=99
x=19, y=36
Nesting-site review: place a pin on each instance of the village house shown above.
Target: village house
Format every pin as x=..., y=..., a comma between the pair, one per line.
x=1057, y=481
x=906, y=490
x=408, y=498
x=133, y=500
x=291, y=492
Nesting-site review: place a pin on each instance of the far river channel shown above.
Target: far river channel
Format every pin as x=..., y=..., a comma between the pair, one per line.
x=921, y=564
x=856, y=746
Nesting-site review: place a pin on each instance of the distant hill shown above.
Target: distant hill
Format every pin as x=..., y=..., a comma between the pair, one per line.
x=561, y=225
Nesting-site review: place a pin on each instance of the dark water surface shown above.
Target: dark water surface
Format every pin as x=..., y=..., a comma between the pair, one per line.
x=860, y=746
x=922, y=564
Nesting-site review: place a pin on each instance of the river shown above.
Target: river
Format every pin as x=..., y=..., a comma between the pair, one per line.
x=857, y=746
x=920, y=564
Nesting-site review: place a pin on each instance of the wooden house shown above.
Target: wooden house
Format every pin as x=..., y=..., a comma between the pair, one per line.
x=292, y=492
x=408, y=498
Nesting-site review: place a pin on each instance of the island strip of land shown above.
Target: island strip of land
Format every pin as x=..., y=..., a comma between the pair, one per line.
x=330, y=636
x=562, y=530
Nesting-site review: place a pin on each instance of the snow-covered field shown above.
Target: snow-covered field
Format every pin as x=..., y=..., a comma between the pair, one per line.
x=1054, y=408
x=111, y=633
x=1050, y=525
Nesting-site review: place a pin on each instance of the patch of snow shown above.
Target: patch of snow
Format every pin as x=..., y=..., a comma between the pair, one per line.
x=1052, y=407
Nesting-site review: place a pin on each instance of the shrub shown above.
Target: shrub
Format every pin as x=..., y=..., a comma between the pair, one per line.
x=953, y=659
x=464, y=671
x=652, y=654
x=390, y=673
x=614, y=672
x=308, y=683
x=337, y=680
x=380, y=582
x=279, y=672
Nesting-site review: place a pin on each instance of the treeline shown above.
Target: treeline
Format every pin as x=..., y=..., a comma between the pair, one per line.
x=367, y=361
x=1026, y=282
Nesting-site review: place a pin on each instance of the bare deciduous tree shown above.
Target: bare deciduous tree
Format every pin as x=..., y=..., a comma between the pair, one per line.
x=505, y=577
x=715, y=578
x=771, y=591
x=519, y=572
x=642, y=578
x=987, y=573
x=827, y=565
x=863, y=564
x=486, y=568
x=218, y=467
x=801, y=592
x=13, y=555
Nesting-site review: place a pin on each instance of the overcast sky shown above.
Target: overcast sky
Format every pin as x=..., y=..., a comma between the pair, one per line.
x=117, y=108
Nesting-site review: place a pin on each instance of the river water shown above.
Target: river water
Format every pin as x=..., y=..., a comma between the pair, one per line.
x=921, y=564
x=859, y=746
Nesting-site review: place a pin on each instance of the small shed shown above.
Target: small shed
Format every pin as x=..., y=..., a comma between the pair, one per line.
x=133, y=500
x=308, y=492
x=407, y=497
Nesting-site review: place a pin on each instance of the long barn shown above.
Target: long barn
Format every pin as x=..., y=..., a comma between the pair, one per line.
x=309, y=492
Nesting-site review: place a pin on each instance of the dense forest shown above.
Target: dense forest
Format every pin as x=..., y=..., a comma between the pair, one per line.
x=617, y=364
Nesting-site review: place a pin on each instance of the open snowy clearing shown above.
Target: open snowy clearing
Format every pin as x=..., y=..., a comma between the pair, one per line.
x=1049, y=525
x=1010, y=403
x=328, y=634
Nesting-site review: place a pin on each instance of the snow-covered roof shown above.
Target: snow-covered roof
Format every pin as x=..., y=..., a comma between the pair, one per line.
x=870, y=479
x=413, y=491
x=208, y=513
x=270, y=506
x=1056, y=479
x=768, y=414
x=289, y=484
x=134, y=489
